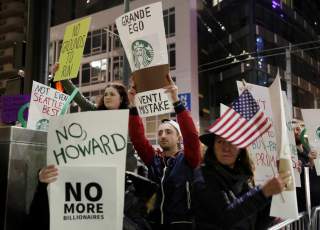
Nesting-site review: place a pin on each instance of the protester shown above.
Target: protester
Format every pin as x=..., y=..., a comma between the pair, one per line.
x=307, y=158
x=172, y=168
x=224, y=196
x=115, y=97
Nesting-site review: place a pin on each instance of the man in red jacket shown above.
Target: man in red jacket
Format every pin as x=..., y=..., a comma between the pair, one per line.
x=172, y=168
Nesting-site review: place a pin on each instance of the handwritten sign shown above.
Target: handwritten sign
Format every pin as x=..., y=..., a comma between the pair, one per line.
x=10, y=105
x=97, y=138
x=84, y=198
x=263, y=151
x=45, y=102
x=312, y=123
x=72, y=49
x=283, y=205
x=153, y=102
x=143, y=36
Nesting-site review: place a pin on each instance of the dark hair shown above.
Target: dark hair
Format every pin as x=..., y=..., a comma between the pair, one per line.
x=243, y=162
x=122, y=90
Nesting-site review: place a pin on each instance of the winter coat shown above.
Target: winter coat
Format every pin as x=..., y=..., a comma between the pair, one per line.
x=173, y=174
x=223, y=199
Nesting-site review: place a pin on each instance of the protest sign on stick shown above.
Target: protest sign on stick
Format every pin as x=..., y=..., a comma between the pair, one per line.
x=283, y=205
x=45, y=102
x=72, y=48
x=97, y=138
x=311, y=119
x=143, y=38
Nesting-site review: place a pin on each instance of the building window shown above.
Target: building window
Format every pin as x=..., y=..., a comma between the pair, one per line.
x=172, y=55
x=117, y=68
x=98, y=70
x=169, y=22
x=85, y=76
x=87, y=46
x=116, y=39
x=96, y=42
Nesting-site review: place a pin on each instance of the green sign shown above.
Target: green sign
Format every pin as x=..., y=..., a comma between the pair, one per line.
x=71, y=53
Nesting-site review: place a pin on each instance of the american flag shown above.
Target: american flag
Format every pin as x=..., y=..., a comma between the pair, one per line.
x=243, y=123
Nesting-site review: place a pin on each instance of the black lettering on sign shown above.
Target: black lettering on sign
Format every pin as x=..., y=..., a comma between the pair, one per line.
x=92, y=192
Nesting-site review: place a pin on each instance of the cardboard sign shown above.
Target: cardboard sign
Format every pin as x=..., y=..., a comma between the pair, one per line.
x=263, y=151
x=45, y=102
x=292, y=141
x=10, y=105
x=283, y=205
x=72, y=48
x=96, y=138
x=311, y=119
x=143, y=38
x=84, y=198
x=154, y=102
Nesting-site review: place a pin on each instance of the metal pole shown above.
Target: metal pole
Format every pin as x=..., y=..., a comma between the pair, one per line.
x=37, y=43
x=289, y=78
x=126, y=67
x=307, y=190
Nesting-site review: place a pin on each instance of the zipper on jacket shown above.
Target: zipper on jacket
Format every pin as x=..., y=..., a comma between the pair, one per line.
x=162, y=191
x=188, y=195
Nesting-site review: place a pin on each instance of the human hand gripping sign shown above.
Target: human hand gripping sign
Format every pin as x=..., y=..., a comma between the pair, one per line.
x=172, y=89
x=277, y=184
x=48, y=174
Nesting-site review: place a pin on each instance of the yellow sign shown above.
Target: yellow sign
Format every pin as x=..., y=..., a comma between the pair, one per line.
x=72, y=49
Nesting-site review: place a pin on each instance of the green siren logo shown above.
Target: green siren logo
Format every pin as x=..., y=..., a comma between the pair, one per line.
x=42, y=125
x=318, y=133
x=142, y=53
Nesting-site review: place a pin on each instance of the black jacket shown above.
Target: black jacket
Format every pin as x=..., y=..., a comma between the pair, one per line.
x=223, y=199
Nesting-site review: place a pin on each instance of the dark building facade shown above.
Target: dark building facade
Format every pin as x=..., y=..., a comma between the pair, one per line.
x=248, y=39
x=12, y=37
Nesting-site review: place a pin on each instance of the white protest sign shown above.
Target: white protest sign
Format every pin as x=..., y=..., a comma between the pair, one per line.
x=311, y=119
x=153, y=102
x=143, y=36
x=263, y=151
x=44, y=103
x=292, y=141
x=97, y=138
x=84, y=198
x=283, y=205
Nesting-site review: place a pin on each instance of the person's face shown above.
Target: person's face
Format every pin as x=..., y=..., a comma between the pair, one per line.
x=297, y=132
x=168, y=137
x=226, y=153
x=111, y=99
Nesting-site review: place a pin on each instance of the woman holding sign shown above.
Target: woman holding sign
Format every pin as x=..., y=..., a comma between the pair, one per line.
x=224, y=195
x=115, y=96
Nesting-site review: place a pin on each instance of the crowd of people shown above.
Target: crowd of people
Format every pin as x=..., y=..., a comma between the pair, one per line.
x=183, y=190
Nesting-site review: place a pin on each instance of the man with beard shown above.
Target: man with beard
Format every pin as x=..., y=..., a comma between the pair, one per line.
x=171, y=168
x=307, y=158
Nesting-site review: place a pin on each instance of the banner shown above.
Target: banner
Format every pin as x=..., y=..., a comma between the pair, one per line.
x=96, y=138
x=283, y=205
x=9, y=107
x=263, y=151
x=154, y=102
x=72, y=48
x=311, y=119
x=84, y=198
x=143, y=38
x=45, y=102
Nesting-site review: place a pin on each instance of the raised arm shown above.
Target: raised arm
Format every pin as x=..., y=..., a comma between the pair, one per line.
x=189, y=132
x=136, y=132
x=69, y=87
